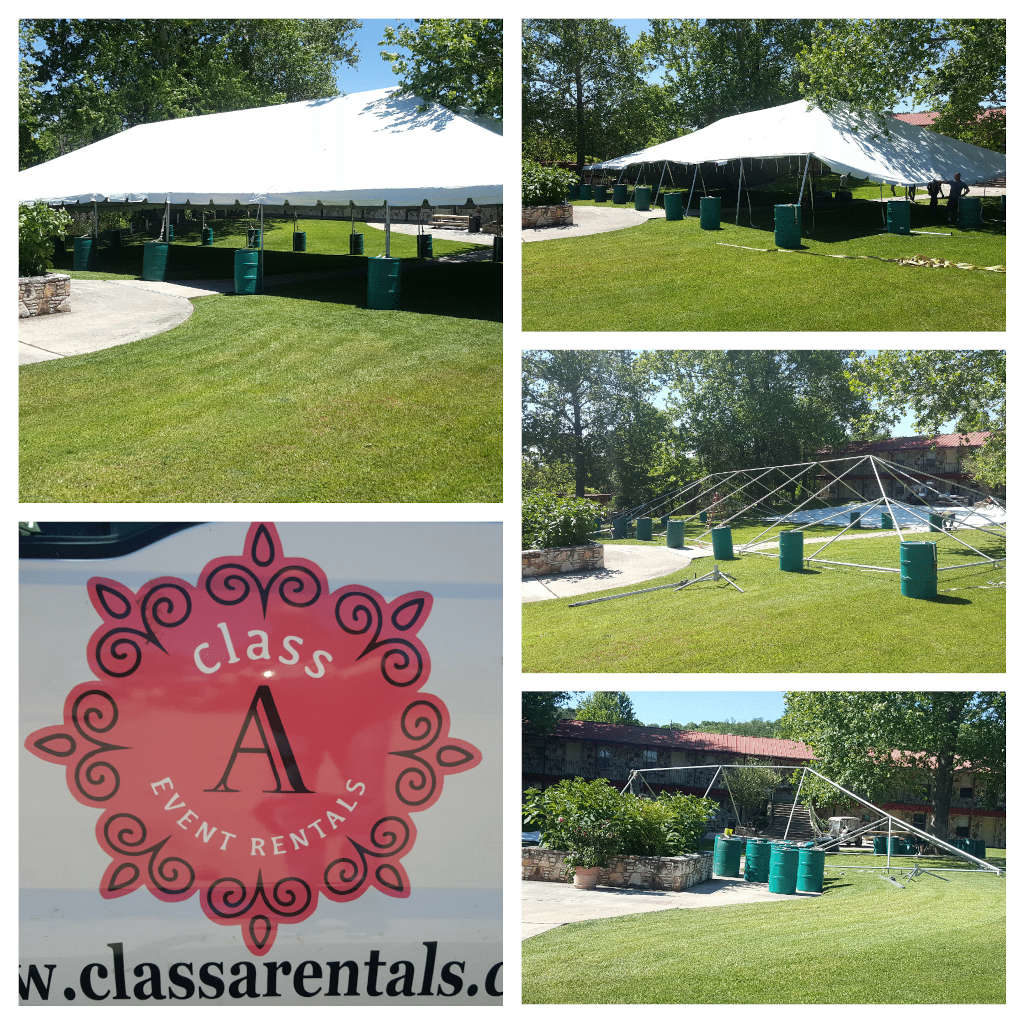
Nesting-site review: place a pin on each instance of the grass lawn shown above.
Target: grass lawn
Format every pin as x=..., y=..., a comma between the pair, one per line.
x=665, y=276
x=301, y=395
x=824, y=619
x=862, y=941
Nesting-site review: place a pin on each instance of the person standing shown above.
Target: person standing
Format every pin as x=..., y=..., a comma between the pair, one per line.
x=934, y=193
x=956, y=189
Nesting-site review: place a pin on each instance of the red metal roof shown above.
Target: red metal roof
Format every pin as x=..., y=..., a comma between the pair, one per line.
x=925, y=118
x=971, y=439
x=644, y=736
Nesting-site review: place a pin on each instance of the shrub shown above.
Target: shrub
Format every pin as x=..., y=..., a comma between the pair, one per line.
x=38, y=225
x=545, y=186
x=553, y=522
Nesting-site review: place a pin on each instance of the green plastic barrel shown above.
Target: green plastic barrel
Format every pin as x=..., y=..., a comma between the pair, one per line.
x=252, y=238
x=791, y=550
x=897, y=217
x=787, y=226
x=642, y=197
x=170, y=232
x=969, y=214
x=878, y=845
x=757, y=858
x=810, y=874
x=355, y=244
x=154, y=261
x=855, y=520
x=498, y=253
x=207, y=238
x=935, y=522
x=600, y=193
x=782, y=869
x=978, y=848
x=298, y=241
x=896, y=848
x=383, y=283
x=675, y=534
x=574, y=192
x=620, y=192
x=886, y=521
x=247, y=271
x=721, y=542
x=586, y=191
x=85, y=251
x=424, y=246
x=704, y=517
x=673, y=206
x=727, y=856
x=919, y=574
x=643, y=528
x=711, y=212
x=620, y=527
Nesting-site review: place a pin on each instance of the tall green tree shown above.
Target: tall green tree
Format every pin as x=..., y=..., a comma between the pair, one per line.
x=614, y=707
x=715, y=68
x=542, y=709
x=952, y=65
x=94, y=77
x=882, y=744
x=456, y=62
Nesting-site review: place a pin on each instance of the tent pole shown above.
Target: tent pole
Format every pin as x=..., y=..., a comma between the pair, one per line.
x=95, y=220
x=167, y=221
x=689, y=195
x=387, y=229
x=261, y=245
x=660, y=180
x=739, y=189
x=803, y=180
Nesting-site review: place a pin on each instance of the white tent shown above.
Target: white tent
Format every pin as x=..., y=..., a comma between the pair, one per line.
x=367, y=147
x=861, y=145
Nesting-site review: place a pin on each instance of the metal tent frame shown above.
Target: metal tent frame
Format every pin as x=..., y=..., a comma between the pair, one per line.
x=828, y=844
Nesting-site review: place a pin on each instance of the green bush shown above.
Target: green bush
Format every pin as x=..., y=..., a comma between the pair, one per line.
x=38, y=225
x=553, y=522
x=545, y=186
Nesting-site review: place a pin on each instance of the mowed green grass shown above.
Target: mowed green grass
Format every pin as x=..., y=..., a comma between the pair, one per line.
x=861, y=941
x=667, y=276
x=824, y=619
x=297, y=396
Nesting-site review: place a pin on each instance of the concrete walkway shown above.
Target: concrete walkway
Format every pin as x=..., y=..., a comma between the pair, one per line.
x=546, y=905
x=592, y=220
x=448, y=234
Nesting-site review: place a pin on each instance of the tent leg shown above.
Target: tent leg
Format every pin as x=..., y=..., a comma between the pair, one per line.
x=803, y=180
x=689, y=195
x=739, y=190
x=387, y=229
x=261, y=248
x=660, y=180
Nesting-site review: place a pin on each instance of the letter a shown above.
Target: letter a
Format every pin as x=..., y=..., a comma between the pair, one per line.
x=264, y=698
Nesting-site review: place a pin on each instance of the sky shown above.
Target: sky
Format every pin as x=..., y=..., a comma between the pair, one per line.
x=698, y=706
x=372, y=72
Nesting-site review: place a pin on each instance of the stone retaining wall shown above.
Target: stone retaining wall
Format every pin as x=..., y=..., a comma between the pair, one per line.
x=542, y=561
x=547, y=216
x=675, y=873
x=38, y=296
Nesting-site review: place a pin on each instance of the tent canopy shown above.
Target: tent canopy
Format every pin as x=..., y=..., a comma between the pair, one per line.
x=366, y=147
x=862, y=145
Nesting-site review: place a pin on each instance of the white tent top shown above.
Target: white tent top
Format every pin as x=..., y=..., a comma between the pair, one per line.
x=367, y=147
x=862, y=145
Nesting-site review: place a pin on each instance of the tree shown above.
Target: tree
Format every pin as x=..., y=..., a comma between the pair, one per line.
x=542, y=709
x=716, y=68
x=94, y=77
x=610, y=706
x=456, y=62
x=751, y=786
x=954, y=66
x=966, y=387
x=583, y=84
x=880, y=744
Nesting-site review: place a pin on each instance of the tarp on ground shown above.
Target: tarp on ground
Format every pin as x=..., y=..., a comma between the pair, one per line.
x=366, y=147
x=862, y=145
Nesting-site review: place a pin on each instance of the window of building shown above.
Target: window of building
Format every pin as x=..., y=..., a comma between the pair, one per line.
x=604, y=755
x=650, y=759
x=966, y=792
x=963, y=830
x=919, y=820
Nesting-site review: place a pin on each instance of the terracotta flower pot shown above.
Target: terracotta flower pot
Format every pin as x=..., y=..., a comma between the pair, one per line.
x=586, y=878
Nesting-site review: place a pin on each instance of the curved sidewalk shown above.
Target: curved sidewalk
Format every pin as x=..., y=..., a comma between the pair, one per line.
x=592, y=220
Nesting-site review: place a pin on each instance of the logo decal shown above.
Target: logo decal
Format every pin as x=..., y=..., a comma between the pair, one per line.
x=257, y=738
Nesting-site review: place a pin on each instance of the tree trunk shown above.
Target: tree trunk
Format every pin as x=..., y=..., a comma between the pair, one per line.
x=578, y=455
x=581, y=153
x=942, y=795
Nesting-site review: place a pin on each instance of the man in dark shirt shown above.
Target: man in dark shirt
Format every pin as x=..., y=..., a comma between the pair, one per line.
x=956, y=189
x=934, y=193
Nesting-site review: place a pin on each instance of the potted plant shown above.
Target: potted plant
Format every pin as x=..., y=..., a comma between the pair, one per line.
x=592, y=841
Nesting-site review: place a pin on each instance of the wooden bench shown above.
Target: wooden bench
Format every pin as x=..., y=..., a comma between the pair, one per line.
x=450, y=220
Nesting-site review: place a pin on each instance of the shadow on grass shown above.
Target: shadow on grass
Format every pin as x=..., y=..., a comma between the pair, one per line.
x=947, y=599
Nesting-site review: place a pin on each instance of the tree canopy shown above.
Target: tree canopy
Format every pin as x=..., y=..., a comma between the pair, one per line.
x=614, y=707
x=542, y=709
x=83, y=79
x=456, y=62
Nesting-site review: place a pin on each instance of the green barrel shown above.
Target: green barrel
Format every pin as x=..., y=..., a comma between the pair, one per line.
x=586, y=191
x=727, y=856
x=207, y=238
x=298, y=241
x=969, y=214
x=664, y=523
x=878, y=845
x=978, y=848
x=643, y=528
x=574, y=192
x=810, y=873
x=886, y=521
x=935, y=522
x=620, y=192
x=711, y=212
x=673, y=206
x=782, y=869
x=424, y=246
x=154, y=261
x=85, y=251
x=757, y=858
x=620, y=527
x=355, y=244
x=919, y=574
x=704, y=518
x=721, y=542
x=791, y=550
x=252, y=238
x=897, y=217
x=170, y=232
x=675, y=534
x=498, y=254
x=247, y=271
x=855, y=520
x=383, y=283
x=642, y=197
x=600, y=193
x=787, y=226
